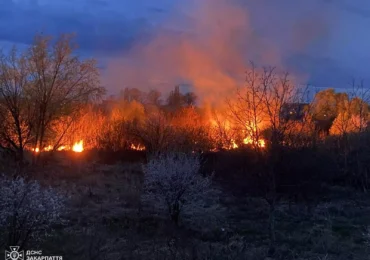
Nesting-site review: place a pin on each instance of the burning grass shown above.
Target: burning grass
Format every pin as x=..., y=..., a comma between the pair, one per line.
x=77, y=147
x=189, y=128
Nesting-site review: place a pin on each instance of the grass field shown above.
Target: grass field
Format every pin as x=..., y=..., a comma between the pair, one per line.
x=106, y=219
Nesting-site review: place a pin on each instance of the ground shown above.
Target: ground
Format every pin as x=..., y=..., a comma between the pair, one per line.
x=107, y=221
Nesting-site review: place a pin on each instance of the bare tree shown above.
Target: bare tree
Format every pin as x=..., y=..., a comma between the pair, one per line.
x=248, y=110
x=258, y=111
x=277, y=91
x=173, y=182
x=40, y=86
x=222, y=134
x=359, y=105
x=60, y=83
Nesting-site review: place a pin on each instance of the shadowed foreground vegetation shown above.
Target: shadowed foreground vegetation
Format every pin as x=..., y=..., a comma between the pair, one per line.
x=320, y=214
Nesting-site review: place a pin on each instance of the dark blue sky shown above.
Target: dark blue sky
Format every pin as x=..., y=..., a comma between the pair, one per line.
x=326, y=40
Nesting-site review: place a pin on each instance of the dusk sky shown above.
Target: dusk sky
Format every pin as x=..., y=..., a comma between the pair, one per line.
x=327, y=41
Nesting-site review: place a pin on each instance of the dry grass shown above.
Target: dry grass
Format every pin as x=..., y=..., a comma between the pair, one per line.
x=108, y=222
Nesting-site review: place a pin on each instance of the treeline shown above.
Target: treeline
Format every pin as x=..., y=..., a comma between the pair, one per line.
x=143, y=120
x=48, y=98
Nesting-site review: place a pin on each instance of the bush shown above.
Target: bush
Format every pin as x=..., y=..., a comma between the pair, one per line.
x=27, y=210
x=173, y=182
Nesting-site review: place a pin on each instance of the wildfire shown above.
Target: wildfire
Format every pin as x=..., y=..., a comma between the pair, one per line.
x=48, y=148
x=260, y=143
x=78, y=147
x=137, y=147
x=62, y=148
x=233, y=145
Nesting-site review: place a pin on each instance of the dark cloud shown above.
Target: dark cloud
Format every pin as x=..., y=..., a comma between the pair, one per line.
x=108, y=32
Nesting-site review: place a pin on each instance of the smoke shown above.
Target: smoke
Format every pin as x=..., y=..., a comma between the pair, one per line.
x=208, y=44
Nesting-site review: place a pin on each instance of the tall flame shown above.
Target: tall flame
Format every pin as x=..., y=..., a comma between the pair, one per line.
x=78, y=147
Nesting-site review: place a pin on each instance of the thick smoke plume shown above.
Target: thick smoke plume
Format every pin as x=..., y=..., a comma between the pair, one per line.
x=208, y=44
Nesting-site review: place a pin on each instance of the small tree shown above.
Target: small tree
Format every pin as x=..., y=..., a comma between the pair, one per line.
x=27, y=210
x=258, y=111
x=60, y=83
x=173, y=182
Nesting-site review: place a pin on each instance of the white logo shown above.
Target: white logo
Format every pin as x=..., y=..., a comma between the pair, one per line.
x=14, y=254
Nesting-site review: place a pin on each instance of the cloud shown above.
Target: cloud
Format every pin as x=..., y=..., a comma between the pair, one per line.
x=209, y=44
x=205, y=43
x=99, y=28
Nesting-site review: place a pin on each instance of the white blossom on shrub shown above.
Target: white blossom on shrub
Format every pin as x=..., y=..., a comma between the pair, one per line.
x=173, y=182
x=28, y=210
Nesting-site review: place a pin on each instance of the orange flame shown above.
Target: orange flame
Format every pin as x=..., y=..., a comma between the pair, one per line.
x=78, y=147
x=61, y=148
x=137, y=147
x=233, y=144
x=260, y=143
x=48, y=148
